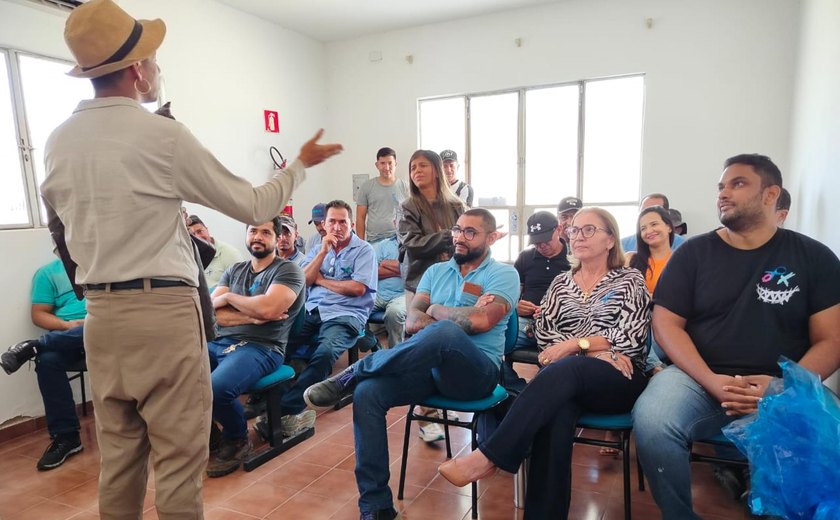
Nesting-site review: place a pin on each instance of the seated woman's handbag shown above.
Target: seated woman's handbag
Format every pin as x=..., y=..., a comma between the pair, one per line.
x=793, y=445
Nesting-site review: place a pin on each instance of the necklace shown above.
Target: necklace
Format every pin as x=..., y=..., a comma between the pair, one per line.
x=586, y=290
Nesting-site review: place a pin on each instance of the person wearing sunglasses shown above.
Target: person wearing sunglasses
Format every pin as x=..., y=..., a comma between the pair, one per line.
x=592, y=332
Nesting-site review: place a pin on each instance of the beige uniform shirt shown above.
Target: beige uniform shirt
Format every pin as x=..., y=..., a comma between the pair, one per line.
x=116, y=177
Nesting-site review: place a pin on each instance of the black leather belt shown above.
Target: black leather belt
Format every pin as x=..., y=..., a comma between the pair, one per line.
x=136, y=284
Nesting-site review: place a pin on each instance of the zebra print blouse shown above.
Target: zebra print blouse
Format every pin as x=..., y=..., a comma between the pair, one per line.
x=618, y=309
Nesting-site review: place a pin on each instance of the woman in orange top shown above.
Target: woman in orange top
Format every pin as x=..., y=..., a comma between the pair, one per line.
x=654, y=237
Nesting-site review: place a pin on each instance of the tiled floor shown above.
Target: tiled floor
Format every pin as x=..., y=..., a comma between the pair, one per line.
x=314, y=480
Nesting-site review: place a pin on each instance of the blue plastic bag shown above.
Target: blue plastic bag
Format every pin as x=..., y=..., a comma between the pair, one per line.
x=793, y=445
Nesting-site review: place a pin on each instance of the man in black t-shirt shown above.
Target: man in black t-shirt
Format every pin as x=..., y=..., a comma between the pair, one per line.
x=256, y=303
x=728, y=304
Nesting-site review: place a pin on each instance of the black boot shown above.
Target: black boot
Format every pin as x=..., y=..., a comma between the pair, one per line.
x=18, y=354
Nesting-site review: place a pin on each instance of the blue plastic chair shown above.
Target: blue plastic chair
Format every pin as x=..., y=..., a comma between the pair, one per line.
x=498, y=395
x=273, y=386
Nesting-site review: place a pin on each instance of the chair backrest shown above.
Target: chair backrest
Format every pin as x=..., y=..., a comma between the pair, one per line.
x=297, y=326
x=512, y=331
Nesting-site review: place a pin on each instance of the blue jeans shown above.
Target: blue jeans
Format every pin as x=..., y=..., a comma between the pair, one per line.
x=56, y=351
x=330, y=339
x=672, y=412
x=233, y=373
x=440, y=359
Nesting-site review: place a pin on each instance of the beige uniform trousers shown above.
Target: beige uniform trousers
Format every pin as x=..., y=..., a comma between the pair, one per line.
x=150, y=377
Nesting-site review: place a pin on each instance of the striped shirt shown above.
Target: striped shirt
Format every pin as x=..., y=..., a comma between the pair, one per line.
x=618, y=309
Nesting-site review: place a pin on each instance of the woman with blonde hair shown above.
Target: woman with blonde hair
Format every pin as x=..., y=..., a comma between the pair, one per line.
x=592, y=333
x=427, y=217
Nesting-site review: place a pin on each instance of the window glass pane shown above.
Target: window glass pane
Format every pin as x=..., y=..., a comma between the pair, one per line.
x=551, y=144
x=443, y=126
x=613, y=139
x=506, y=248
x=13, y=204
x=494, y=122
x=49, y=96
x=626, y=218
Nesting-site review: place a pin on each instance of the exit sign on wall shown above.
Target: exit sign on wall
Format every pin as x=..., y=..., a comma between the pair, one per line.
x=272, y=123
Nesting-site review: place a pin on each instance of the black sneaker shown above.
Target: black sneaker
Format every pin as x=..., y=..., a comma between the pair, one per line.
x=382, y=514
x=255, y=406
x=18, y=354
x=330, y=391
x=734, y=479
x=61, y=447
x=230, y=456
x=215, y=438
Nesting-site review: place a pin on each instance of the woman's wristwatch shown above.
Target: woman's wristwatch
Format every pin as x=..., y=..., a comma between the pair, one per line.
x=583, y=346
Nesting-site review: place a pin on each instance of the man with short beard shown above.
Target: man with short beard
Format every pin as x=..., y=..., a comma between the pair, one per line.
x=727, y=305
x=256, y=303
x=458, y=317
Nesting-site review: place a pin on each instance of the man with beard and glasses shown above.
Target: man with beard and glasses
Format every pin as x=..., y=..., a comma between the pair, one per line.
x=727, y=305
x=256, y=302
x=458, y=319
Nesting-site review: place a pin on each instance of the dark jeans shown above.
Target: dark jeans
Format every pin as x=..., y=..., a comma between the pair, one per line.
x=232, y=374
x=330, y=339
x=440, y=359
x=56, y=351
x=542, y=420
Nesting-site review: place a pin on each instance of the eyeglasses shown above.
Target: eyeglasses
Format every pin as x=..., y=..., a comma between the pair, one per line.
x=588, y=231
x=469, y=233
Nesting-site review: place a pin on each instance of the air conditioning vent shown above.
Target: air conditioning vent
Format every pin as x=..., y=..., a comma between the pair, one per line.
x=64, y=5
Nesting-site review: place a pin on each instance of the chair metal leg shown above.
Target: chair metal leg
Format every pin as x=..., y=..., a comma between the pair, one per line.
x=84, y=394
x=641, y=473
x=474, y=487
x=408, y=418
x=625, y=455
x=446, y=435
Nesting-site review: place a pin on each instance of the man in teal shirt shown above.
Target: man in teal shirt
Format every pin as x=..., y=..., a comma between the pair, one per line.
x=55, y=308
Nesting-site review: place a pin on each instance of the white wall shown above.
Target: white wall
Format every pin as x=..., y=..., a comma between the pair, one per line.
x=719, y=77
x=222, y=68
x=815, y=151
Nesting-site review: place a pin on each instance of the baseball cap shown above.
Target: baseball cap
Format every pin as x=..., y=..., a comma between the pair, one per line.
x=318, y=212
x=569, y=203
x=541, y=226
x=680, y=227
x=193, y=219
x=288, y=222
x=448, y=155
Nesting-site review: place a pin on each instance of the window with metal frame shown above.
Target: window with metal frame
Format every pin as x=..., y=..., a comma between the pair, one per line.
x=524, y=149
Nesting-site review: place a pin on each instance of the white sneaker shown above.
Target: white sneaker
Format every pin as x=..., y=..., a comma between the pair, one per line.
x=452, y=416
x=431, y=432
x=437, y=412
x=291, y=425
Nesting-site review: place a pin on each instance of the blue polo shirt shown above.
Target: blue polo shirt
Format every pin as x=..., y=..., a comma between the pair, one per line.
x=445, y=286
x=392, y=287
x=355, y=262
x=297, y=258
x=628, y=243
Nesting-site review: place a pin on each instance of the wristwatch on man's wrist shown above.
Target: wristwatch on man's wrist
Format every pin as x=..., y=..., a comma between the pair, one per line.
x=583, y=346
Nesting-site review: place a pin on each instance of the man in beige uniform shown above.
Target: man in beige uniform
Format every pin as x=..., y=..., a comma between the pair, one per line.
x=111, y=165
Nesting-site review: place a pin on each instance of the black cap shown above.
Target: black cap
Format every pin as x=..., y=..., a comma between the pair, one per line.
x=193, y=219
x=541, y=226
x=569, y=203
x=448, y=155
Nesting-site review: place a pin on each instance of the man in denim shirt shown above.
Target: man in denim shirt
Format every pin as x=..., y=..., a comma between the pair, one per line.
x=342, y=280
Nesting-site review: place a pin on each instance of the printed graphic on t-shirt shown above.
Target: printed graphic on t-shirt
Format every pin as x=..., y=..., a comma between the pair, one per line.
x=776, y=286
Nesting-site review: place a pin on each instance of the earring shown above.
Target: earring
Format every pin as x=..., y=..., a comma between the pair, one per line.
x=143, y=92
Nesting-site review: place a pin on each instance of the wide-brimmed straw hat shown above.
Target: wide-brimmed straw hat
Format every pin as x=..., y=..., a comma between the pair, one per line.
x=103, y=38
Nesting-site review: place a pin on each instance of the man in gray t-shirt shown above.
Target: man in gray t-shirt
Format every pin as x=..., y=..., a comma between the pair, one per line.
x=256, y=303
x=378, y=199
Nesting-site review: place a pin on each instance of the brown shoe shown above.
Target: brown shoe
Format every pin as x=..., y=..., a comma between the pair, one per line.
x=230, y=456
